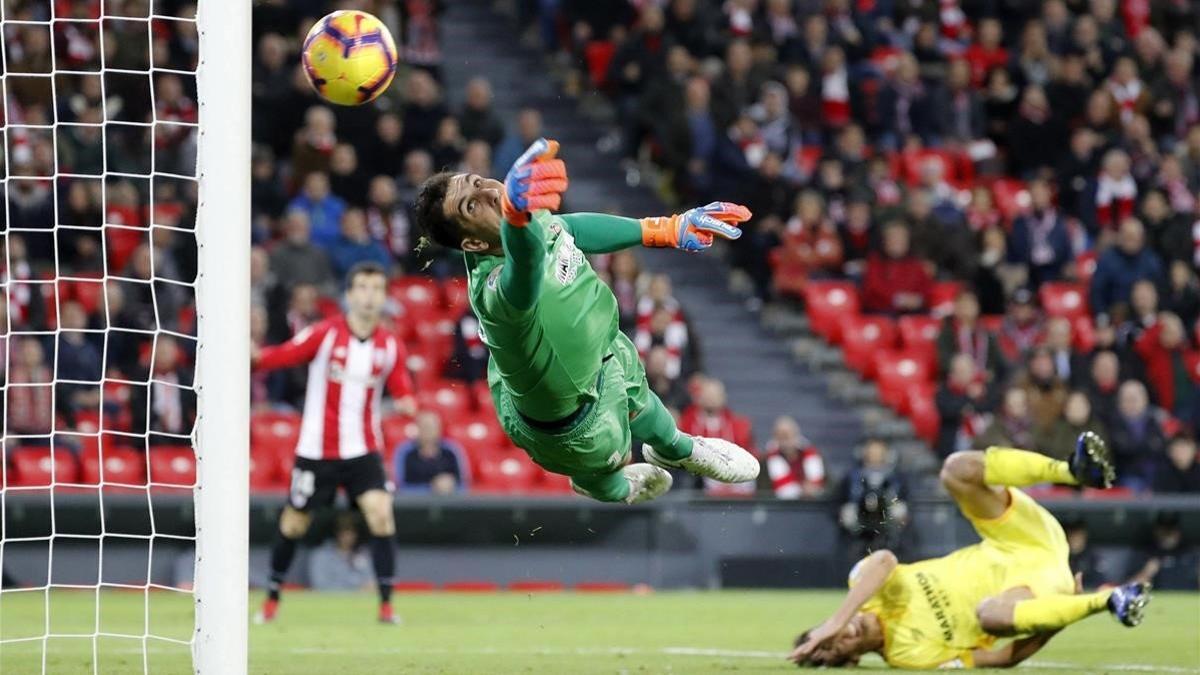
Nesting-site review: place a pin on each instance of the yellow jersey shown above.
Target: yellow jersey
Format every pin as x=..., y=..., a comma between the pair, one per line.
x=927, y=609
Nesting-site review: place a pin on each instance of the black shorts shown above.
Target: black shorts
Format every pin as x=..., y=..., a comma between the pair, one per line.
x=315, y=482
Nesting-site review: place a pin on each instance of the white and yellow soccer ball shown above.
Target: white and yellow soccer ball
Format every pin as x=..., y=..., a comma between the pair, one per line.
x=349, y=57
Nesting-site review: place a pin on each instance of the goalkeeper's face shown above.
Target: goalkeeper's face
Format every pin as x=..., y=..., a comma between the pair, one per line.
x=366, y=296
x=474, y=203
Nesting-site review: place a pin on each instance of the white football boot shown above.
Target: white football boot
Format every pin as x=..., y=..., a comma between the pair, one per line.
x=713, y=458
x=645, y=483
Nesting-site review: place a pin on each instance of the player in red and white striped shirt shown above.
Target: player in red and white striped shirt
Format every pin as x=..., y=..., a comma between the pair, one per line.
x=351, y=360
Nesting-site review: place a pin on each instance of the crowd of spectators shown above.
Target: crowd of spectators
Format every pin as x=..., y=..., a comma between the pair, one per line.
x=1003, y=145
x=335, y=186
x=97, y=249
x=1000, y=145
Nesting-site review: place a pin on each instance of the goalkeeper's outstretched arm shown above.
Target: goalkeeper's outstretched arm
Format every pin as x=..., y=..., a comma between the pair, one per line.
x=692, y=230
x=525, y=259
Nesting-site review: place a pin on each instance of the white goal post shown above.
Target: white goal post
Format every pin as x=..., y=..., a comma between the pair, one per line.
x=120, y=121
x=223, y=352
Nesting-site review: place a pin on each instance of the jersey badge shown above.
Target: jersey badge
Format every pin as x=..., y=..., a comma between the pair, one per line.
x=566, y=266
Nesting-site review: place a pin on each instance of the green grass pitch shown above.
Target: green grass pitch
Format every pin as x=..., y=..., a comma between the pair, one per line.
x=677, y=632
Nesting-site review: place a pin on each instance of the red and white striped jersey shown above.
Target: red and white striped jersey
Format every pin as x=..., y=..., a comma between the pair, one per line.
x=346, y=377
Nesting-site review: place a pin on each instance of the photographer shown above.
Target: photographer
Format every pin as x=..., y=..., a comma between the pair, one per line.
x=874, y=512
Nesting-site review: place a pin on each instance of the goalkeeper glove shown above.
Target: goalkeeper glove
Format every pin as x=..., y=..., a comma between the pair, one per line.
x=693, y=230
x=535, y=181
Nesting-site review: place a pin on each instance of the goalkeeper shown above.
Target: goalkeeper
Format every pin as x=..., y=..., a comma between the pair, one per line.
x=568, y=386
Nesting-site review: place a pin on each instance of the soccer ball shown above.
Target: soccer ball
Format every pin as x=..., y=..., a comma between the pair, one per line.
x=349, y=57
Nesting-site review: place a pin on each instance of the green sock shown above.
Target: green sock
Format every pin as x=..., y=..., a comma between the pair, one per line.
x=607, y=487
x=655, y=426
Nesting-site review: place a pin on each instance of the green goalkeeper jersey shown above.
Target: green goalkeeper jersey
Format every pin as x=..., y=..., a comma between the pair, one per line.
x=545, y=316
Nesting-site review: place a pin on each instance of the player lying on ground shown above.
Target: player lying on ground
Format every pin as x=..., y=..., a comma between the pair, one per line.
x=351, y=359
x=568, y=386
x=948, y=612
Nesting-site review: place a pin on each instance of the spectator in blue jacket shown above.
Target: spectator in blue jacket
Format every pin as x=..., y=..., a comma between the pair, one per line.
x=1039, y=239
x=431, y=462
x=324, y=208
x=355, y=245
x=1123, y=265
x=529, y=129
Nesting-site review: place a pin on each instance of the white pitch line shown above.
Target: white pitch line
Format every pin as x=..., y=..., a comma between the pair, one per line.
x=1123, y=667
x=714, y=653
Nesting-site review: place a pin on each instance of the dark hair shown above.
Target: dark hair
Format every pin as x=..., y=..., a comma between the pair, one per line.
x=366, y=267
x=810, y=662
x=431, y=213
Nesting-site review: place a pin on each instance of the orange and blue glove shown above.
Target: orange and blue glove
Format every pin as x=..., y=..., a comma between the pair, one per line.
x=535, y=181
x=694, y=229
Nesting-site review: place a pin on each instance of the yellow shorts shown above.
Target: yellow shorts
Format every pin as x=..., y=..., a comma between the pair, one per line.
x=1029, y=545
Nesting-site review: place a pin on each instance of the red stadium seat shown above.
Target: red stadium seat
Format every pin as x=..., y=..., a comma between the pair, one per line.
x=88, y=293
x=941, y=297
x=916, y=331
x=173, y=465
x=915, y=391
x=434, y=335
x=454, y=290
x=38, y=466
x=922, y=411
x=1011, y=197
x=862, y=336
x=506, y=472
x=275, y=432
x=450, y=398
x=421, y=296
x=483, y=397
x=553, y=483
x=895, y=371
x=396, y=430
x=87, y=421
x=120, y=465
x=478, y=436
x=266, y=472
x=1064, y=299
x=918, y=336
x=426, y=365
x=826, y=302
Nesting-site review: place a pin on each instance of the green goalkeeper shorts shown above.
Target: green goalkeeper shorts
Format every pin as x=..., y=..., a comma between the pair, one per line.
x=599, y=443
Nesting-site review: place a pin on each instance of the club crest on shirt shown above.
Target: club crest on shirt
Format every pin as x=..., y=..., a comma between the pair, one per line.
x=494, y=277
x=339, y=353
x=568, y=262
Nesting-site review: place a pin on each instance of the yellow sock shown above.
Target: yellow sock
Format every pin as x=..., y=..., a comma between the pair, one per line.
x=1018, y=468
x=1053, y=612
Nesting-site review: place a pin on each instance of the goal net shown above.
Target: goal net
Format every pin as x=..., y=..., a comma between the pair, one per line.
x=124, y=155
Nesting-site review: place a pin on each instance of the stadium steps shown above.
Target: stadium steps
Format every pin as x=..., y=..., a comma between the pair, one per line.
x=755, y=363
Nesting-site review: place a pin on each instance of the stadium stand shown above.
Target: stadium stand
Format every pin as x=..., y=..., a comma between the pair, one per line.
x=832, y=120
x=1042, y=154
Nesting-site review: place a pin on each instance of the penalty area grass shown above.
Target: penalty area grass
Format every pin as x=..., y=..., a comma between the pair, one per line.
x=681, y=632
